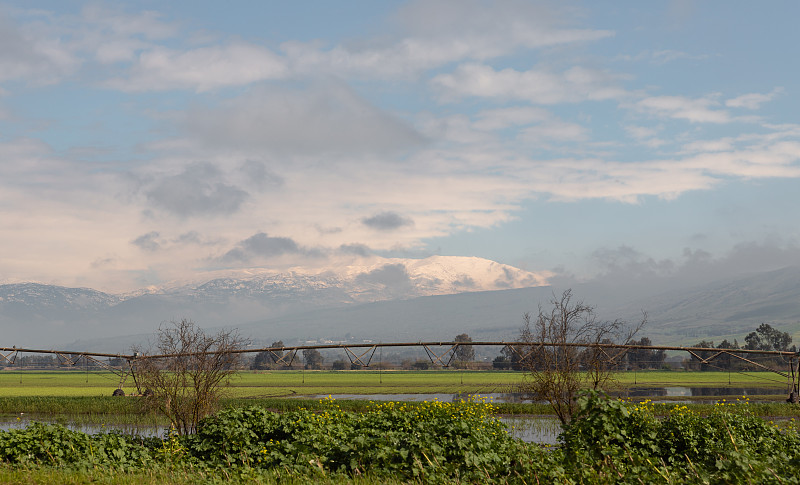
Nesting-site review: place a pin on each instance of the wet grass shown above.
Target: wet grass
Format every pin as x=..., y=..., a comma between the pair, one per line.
x=174, y=475
x=85, y=397
x=266, y=384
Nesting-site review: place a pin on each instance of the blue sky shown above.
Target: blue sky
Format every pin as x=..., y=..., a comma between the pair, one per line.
x=145, y=142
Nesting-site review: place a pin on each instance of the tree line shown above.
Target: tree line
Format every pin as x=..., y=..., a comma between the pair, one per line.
x=765, y=337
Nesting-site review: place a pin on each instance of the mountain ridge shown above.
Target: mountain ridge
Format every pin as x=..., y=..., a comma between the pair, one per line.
x=312, y=307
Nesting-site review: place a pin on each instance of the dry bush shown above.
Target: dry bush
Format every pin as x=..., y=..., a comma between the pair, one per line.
x=187, y=381
x=563, y=355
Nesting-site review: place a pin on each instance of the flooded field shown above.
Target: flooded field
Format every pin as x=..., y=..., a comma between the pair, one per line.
x=657, y=394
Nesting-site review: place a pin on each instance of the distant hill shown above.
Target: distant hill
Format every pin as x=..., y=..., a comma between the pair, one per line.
x=36, y=315
x=304, y=307
x=729, y=308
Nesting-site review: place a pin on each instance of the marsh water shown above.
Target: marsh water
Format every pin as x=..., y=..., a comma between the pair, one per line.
x=656, y=394
x=539, y=429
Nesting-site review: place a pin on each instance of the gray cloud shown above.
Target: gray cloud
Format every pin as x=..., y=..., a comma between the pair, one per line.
x=28, y=56
x=194, y=237
x=196, y=191
x=387, y=221
x=261, y=245
x=626, y=273
x=392, y=276
x=465, y=282
x=625, y=259
x=357, y=249
x=259, y=175
x=148, y=242
x=319, y=119
x=103, y=262
x=505, y=281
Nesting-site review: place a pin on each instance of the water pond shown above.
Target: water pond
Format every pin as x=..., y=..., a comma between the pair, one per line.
x=19, y=421
x=666, y=394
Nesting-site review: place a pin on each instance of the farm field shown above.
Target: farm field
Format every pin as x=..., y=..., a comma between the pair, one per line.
x=264, y=384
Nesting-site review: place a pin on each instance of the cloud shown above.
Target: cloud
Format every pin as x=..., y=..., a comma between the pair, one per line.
x=261, y=246
x=661, y=57
x=149, y=242
x=538, y=86
x=258, y=175
x=356, y=249
x=195, y=191
x=502, y=118
x=699, y=110
x=386, y=221
x=27, y=55
x=394, y=276
x=194, y=238
x=201, y=69
x=321, y=118
x=752, y=100
x=555, y=130
x=633, y=273
x=429, y=34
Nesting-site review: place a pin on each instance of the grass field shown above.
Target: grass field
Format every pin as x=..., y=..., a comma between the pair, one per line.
x=82, y=397
x=267, y=384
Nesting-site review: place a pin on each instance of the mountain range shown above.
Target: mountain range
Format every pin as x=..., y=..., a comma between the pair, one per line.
x=392, y=300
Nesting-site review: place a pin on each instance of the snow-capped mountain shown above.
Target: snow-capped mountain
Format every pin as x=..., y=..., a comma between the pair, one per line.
x=381, y=280
x=33, y=314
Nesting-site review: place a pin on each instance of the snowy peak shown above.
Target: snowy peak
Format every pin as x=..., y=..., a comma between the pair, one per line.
x=375, y=279
x=42, y=314
x=54, y=296
x=436, y=275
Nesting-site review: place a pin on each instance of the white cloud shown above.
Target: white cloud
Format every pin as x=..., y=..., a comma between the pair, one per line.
x=699, y=110
x=501, y=118
x=661, y=57
x=430, y=34
x=201, y=69
x=147, y=24
x=29, y=56
x=322, y=118
x=537, y=86
x=752, y=100
x=558, y=131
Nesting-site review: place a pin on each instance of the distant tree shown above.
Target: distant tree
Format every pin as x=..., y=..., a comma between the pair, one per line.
x=696, y=363
x=771, y=339
x=645, y=358
x=261, y=361
x=276, y=355
x=510, y=358
x=312, y=358
x=464, y=353
x=268, y=359
x=501, y=362
x=340, y=365
x=767, y=338
x=726, y=360
x=421, y=365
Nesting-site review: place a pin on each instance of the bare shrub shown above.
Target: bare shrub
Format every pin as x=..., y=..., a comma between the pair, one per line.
x=187, y=382
x=563, y=355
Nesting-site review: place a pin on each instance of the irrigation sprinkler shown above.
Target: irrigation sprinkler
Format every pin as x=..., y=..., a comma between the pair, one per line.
x=613, y=353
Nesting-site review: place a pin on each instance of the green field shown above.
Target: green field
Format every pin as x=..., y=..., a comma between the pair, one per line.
x=265, y=384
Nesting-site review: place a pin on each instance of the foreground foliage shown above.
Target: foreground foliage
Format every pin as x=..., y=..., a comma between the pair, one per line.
x=608, y=441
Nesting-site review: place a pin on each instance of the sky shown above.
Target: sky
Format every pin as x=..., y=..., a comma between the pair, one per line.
x=147, y=142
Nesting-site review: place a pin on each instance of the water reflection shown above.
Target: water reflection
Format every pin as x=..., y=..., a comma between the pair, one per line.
x=533, y=429
x=13, y=421
x=670, y=393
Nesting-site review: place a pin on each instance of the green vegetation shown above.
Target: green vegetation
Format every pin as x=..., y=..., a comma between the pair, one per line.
x=251, y=384
x=608, y=441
